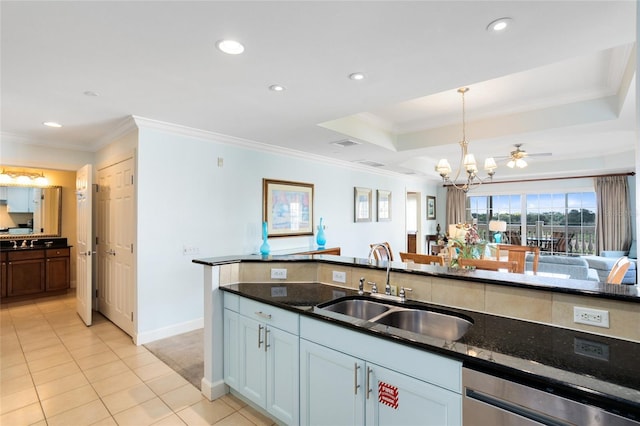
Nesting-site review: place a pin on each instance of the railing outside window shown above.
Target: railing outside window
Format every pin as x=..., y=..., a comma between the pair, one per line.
x=557, y=223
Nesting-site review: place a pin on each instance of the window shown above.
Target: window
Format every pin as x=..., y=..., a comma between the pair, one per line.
x=557, y=223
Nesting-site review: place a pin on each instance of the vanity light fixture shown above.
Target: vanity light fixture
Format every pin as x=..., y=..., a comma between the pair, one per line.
x=21, y=178
x=499, y=25
x=277, y=88
x=52, y=124
x=357, y=76
x=230, y=47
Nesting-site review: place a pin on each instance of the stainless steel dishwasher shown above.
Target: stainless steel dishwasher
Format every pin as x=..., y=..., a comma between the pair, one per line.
x=490, y=400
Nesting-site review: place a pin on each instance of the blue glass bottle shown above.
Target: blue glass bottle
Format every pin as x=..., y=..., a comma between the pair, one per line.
x=320, y=238
x=264, y=248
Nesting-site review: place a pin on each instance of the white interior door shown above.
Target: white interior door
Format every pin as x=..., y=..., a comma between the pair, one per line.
x=116, y=219
x=84, y=245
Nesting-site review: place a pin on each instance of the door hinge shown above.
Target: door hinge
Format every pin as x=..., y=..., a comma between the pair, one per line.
x=96, y=240
x=97, y=187
x=96, y=293
x=131, y=248
x=131, y=179
x=132, y=316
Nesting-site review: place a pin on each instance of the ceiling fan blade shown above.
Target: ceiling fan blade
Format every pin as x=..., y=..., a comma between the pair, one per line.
x=541, y=154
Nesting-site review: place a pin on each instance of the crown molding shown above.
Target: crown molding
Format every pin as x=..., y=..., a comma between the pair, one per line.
x=191, y=132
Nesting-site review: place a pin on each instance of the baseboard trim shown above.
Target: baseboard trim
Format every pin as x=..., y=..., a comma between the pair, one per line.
x=213, y=391
x=172, y=330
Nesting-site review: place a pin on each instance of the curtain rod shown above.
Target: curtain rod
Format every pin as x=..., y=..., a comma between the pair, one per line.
x=556, y=178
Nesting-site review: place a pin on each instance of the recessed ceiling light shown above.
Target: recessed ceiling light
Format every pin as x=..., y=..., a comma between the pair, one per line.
x=357, y=76
x=231, y=47
x=499, y=25
x=277, y=88
x=90, y=93
x=52, y=124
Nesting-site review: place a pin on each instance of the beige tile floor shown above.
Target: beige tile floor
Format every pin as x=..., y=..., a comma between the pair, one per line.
x=56, y=371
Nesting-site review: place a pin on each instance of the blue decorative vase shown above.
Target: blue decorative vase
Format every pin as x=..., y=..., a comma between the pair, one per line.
x=320, y=238
x=264, y=248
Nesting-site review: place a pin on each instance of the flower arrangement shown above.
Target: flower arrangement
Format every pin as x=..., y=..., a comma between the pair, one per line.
x=467, y=243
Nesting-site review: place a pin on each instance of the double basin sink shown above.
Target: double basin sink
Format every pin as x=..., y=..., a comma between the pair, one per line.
x=447, y=326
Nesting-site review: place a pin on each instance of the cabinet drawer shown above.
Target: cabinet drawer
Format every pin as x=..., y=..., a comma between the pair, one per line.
x=27, y=254
x=58, y=252
x=280, y=318
x=231, y=301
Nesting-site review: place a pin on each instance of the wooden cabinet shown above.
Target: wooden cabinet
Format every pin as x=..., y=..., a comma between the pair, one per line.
x=354, y=375
x=3, y=274
x=261, y=356
x=57, y=274
x=25, y=272
x=34, y=272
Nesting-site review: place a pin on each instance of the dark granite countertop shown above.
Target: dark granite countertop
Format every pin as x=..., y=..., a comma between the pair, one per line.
x=627, y=293
x=38, y=243
x=596, y=370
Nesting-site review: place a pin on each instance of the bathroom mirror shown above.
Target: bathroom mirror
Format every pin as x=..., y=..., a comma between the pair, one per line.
x=30, y=212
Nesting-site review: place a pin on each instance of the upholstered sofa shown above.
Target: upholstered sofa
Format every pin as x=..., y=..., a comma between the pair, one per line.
x=575, y=266
x=603, y=263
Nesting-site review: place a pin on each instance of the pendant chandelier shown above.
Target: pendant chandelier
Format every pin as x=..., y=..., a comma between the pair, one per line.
x=467, y=161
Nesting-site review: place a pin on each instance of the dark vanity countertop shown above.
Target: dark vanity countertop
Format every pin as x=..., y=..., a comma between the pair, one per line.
x=593, y=369
x=38, y=244
x=627, y=293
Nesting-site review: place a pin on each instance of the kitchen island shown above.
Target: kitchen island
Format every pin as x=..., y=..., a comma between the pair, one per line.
x=581, y=365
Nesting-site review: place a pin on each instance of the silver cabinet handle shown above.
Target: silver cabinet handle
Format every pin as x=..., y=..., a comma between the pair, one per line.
x=266, y=339
x=356, y=367
x=263, y=315
x=369, y=390
x=260, y=327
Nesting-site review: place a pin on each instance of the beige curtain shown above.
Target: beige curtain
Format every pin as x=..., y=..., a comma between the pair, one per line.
x=613, y=220
x=456, y=206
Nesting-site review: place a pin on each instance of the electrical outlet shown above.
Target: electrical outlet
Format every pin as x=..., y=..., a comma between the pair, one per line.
x=591, y=349
x=278, y=274
x=590, y=316
x=190, y=251
x=339, y=277
x=394, y=290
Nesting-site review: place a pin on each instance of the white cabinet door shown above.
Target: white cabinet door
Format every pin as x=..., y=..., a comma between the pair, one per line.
x=19, y=200
x=252, y=350
x=397, y=399
x=231, y=350
x=283, y=375
x=331, y=386
x=268, y=360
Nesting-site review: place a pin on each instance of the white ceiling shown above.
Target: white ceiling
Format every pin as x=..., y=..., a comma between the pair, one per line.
x=560, y=80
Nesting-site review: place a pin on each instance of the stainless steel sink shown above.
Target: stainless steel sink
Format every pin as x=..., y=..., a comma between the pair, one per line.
x=421, y=321
x=434, y=324
x=358, y=308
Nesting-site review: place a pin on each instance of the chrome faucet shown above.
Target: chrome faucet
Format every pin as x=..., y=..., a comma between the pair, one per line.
x=361, y=286
x=387, y=287
x=15, y=244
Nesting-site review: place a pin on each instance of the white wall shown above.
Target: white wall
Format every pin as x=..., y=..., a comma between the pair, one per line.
x=185, y=199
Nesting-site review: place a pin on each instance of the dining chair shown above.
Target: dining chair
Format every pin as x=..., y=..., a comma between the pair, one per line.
x=489, y=264
x=518, y=253
x=618, y=270
x=425, y=259
x=379, y=253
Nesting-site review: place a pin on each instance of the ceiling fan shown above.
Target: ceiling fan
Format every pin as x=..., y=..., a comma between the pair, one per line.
x=517, y=157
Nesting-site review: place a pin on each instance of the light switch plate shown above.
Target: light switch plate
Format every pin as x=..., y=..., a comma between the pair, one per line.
x=278, y=274
x=339, y=277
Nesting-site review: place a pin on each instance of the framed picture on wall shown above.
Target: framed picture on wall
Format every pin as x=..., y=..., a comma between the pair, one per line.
x=287, y=207
x=431, y=207
x=384, y=205
x=362, y=204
